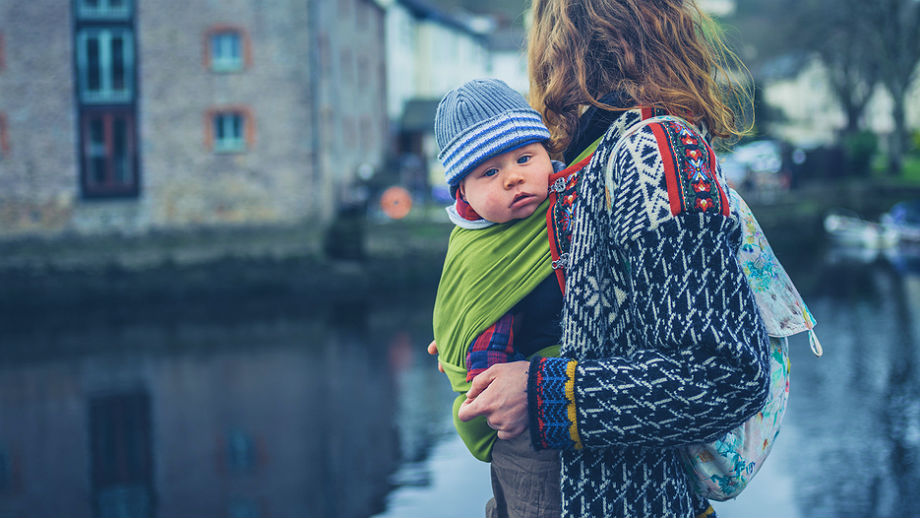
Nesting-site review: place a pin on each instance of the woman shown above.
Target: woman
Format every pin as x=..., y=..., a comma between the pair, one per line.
x=663, y=345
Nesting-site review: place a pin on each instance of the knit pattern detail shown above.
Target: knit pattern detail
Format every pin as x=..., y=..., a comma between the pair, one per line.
x=549, y=417
x=571, y=412
x=480, y=119
x=658, y=314
x=501, y=133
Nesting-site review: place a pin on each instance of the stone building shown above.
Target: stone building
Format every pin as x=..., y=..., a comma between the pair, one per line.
x=135, y=115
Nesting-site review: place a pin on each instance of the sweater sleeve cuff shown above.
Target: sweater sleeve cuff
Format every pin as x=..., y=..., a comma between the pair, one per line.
x=551, y=404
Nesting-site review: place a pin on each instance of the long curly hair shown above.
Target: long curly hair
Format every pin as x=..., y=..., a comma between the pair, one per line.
x=657, y=53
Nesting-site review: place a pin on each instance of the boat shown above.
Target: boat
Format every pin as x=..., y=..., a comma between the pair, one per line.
x=846, y=228
x=904, y=220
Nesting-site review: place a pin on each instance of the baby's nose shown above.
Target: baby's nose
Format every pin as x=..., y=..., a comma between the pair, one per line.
x=513, y=179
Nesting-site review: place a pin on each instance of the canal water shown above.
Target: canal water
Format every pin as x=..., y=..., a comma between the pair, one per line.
x=279, y=407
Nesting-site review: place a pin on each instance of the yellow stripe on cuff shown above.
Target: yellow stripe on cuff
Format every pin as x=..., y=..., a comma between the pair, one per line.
x=570, y=396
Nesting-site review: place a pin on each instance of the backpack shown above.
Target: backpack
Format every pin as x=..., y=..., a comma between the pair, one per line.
x=721, y=469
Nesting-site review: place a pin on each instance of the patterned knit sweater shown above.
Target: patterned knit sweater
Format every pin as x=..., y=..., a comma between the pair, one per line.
x=663, y=345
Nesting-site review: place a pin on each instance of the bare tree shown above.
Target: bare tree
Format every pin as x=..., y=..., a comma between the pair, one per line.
x=826, y=29
x=852, y=66
x=896, y=42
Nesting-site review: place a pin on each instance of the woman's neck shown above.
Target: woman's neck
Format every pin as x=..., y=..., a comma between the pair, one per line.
x=592, y=124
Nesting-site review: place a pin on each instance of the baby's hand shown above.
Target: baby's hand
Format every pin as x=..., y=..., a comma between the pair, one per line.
x=433, y=350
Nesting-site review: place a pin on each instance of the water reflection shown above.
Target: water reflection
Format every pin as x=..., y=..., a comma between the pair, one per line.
x=276, y=408
x=261, y=415
x=856, y=409
x=121, y=457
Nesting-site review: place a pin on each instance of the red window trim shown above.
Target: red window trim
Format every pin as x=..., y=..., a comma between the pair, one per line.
x=249, y=125
x=4, y=136
x=219, y=28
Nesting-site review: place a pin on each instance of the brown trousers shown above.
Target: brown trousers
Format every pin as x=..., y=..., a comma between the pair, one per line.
x=525, y=482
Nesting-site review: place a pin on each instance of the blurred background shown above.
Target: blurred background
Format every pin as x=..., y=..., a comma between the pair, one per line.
x=222, y=227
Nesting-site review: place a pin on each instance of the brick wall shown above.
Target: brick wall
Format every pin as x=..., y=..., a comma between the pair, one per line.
x=38, y=178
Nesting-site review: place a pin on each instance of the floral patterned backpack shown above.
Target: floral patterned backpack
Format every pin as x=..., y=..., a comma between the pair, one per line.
x=721, y=469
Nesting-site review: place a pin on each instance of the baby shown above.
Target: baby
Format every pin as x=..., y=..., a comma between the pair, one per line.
x=498, y=299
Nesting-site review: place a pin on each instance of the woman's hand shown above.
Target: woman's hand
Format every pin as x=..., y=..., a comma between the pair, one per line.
x=433, y=350
x=500, y=394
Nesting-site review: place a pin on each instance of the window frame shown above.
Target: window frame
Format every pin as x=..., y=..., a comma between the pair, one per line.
x=4, y=137
x=119, y=151
x=212, y=63
x=242, y=143
x=220, y=43
x=106, y=94
x=104, y=11
x=109, y=186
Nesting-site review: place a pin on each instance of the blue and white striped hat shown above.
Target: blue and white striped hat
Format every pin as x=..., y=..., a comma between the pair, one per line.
x=481, y=119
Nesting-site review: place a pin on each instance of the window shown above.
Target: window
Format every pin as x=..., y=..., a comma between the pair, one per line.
x=103, y=9
x=105, y=65
x=324, y=59
x=104, y=56
x=4, y=137
x=362, y=74
x=1, y=51
x=364, y=144
x=363, y=15
x=349, y=129
x=121, y=454
x=241, y=452
x=226, y=49
x=226, y=54
x=5, y=470
x=108, y=155
x=229, y=130
x=347, y=66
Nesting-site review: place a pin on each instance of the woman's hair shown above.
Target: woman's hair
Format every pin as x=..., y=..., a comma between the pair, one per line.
x=658, y=53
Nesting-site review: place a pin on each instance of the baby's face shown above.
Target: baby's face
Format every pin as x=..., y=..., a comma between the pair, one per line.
x=509, y=186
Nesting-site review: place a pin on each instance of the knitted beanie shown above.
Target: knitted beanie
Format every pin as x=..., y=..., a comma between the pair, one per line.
x=481, y=119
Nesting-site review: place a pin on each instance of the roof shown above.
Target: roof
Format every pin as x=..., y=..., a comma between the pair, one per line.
x=424, y=10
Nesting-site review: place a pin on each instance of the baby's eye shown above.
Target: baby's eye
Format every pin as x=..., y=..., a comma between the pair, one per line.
x=523, y=159
x=490, y=172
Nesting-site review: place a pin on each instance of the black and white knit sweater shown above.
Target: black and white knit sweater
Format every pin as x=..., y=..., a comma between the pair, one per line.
x=663, y=345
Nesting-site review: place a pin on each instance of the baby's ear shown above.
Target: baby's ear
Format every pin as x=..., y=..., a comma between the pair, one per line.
x=461, y=192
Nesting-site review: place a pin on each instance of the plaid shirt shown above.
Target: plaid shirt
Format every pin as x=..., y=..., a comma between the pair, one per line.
x=492, y=346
